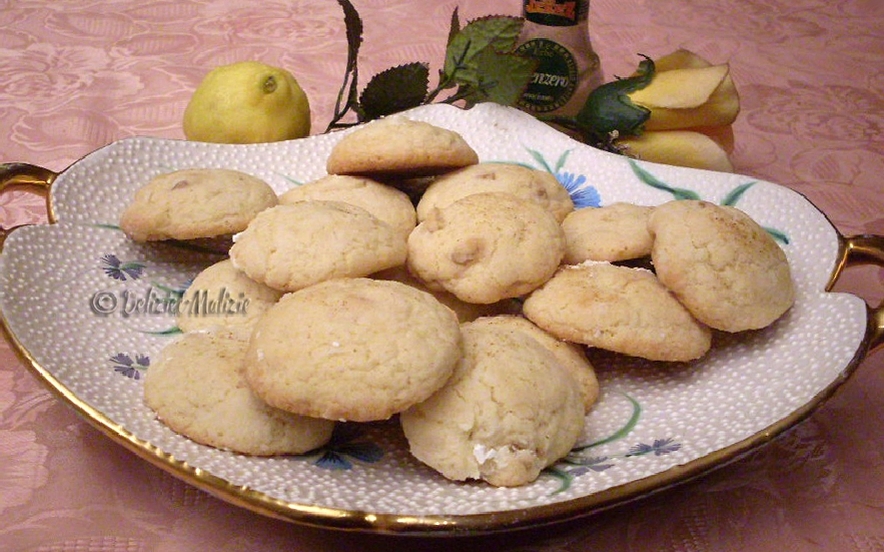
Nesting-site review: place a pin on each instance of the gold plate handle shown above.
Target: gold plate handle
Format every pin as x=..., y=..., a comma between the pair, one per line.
x=861, y=250
x=27, y=177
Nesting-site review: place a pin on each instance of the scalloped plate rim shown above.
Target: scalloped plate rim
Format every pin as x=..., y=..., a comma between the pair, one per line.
x=385, y=522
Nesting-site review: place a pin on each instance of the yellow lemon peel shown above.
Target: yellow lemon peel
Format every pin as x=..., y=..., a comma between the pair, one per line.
x=684, y=148
x=247, y=102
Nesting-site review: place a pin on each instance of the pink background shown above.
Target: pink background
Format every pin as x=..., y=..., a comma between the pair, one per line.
x=78, y=74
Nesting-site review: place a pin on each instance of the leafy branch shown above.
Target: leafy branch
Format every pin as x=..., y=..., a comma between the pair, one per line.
x=480, y=66
x=353, y=24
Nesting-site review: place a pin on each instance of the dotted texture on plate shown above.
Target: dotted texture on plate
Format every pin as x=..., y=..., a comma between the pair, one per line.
x=69, y=293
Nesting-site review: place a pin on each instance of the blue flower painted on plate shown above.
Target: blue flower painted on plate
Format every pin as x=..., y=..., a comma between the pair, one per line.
x=577, y=464
x=586, y=465
x=124, y=364
x=658, y=448
x=119, y=270
x=582, y=194
x=345, y=447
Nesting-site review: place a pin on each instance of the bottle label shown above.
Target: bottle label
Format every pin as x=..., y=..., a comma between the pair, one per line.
x=555, y=13
x=555, y=79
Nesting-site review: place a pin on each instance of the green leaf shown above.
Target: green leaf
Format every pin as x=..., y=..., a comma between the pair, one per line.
x=623, y=431
x=565, y=478
x=497, y=33
x=561, y=162
x=734, y=196
x=174, y=330
x=654, y=182
x=778, y=235
x=396, y=89
x=495, y=77
x=347, y=96
x=455, y=27
x=541, y=160
x=106, y=226
x=609, y=109
x=353, y=24
x=169, y=290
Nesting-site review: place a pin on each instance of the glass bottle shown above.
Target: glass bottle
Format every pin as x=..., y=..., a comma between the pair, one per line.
x=556, y=34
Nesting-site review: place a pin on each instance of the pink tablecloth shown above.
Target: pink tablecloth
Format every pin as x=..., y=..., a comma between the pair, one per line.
x=79, y=74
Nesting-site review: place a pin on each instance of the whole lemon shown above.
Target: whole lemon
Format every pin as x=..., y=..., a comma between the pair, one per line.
x=245, y=103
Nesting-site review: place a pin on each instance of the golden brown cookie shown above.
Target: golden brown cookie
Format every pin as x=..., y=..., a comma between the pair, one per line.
x=197, y=388
x=195, y=203
x=725, y=268
x=486, y=247
x=384, y=202
x=570, y=355
x=466, y=312
x=221, y=295
x=399, y=147
x=626, y=310
x=289, y=247
x=534, y=185
x=353, y=349
x=509, y=410
x=616, y=232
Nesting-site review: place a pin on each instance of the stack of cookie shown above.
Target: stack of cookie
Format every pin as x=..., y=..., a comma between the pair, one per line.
x=714, y=268
x=415, y=282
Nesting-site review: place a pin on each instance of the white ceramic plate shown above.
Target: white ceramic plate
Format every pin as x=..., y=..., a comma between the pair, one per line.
x=655, y=425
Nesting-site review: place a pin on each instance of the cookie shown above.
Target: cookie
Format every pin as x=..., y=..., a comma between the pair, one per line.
x=486, y=247
x=289, y=247
x=625, y=310
x=353, y=349
x=197, y=388
x=616, y=232
x=195, y=203
x=535, y=185
x=570, y=355
x=413, y=187
x=509, y=410
x=725, y=268
x=465, y=312
x=387, y=203
x=398, y=147
x=221, y=295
